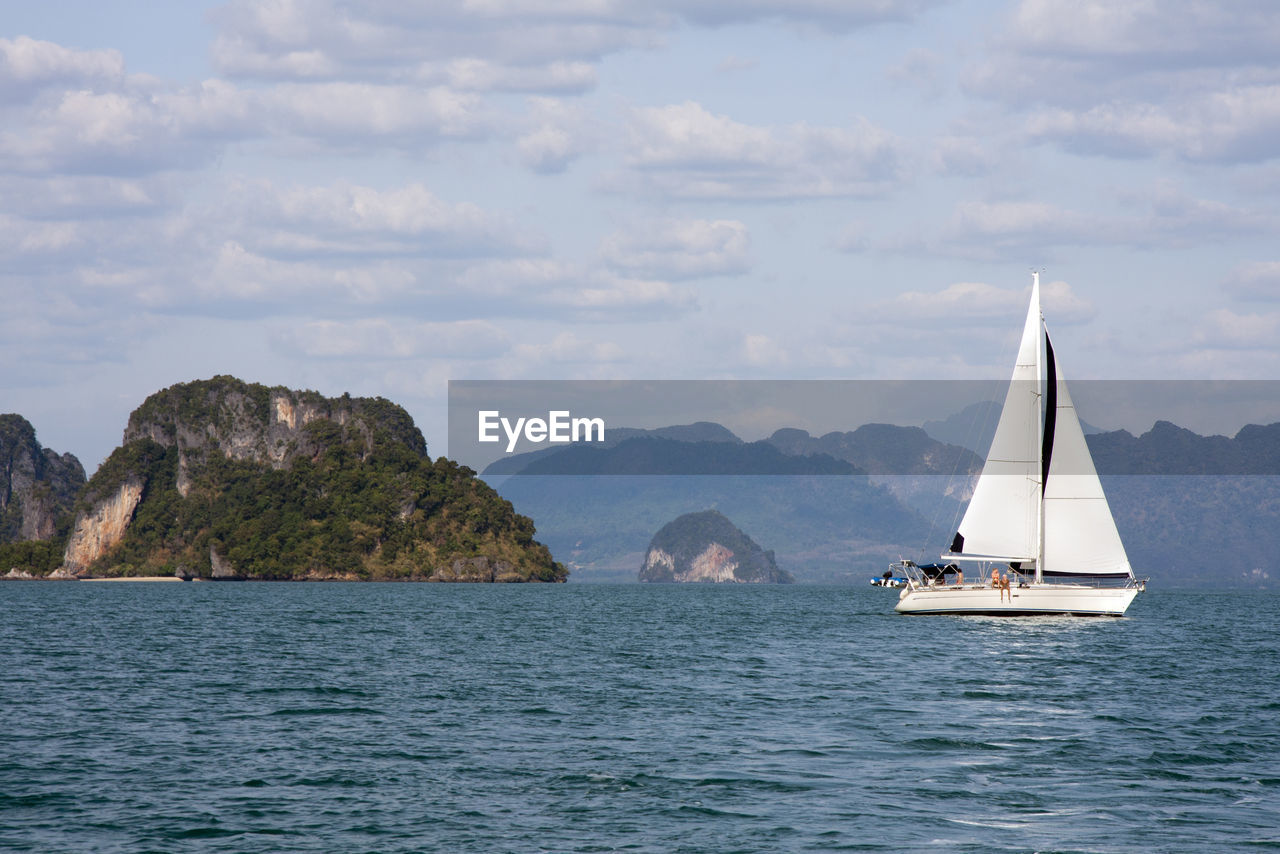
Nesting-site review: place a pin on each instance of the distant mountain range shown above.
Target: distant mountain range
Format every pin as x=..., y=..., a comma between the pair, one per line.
x=840, y=506
x=708, y=448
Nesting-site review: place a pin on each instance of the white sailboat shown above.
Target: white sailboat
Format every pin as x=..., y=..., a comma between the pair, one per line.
x=1038, y=514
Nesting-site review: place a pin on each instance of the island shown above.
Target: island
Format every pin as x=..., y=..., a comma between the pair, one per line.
x=222, y=479
x=707, y=547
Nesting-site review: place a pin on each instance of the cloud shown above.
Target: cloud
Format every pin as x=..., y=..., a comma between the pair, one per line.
x=1257, y=281
x=680, y=249
x=837, y=14
x=557, y=134
x=1177, y=77
x=490, y=45
x=978, y=302
x=378, y=338
x=28, y=66
x=1161, y=216
x=509, y=46
x=121, y=125
x=1223, y=329
x=410, y=116
x=553, y=288
x=763, y=351
x=346, y=219
x=86, y=196
x=685, y=151
x=133, y=131
x=1239, y=125
x=1071, y=52
x=1004, y=229
x=568, y=348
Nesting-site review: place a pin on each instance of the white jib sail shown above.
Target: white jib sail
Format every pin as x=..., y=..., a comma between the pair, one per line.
x=1080, y=536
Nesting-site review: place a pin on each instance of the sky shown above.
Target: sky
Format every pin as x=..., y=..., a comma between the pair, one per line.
x=379, y=197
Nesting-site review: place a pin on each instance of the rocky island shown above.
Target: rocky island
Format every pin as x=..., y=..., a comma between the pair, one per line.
x=225, y=479
x=707, y=547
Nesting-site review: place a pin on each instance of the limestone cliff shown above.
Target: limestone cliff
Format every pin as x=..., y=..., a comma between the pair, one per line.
x=227, y=479
x=707, y=547
x=37, y=485
x=99, y=529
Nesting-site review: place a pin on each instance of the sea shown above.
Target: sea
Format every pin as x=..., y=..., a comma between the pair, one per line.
x=287, y=717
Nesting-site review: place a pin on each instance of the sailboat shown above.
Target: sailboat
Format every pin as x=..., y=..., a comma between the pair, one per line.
x=1038, y=520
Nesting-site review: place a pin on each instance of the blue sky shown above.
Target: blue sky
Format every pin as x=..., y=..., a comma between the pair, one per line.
x=374, y=198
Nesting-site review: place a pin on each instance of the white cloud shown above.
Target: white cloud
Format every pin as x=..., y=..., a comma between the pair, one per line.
x=545, y=286
x=1014, y=229
x=838, y=14
x=377, y=338
x=1242, y=124
x=86, y=196
x=609, y=297
x=490, y=45
x=137, y=128
x=338, y=111
x=1064, y=305
x=557, y=134
x=28, y=66
x=1257, y=281
x=1223, y=329
x=685, y=151
x=982, y=303
x=1158, y=216
x=23, y=240
x=568, y=348
x=480, y=75
x=240, y=276
x=763, y=351
x=346, y=219
x=1181, y=77
x=680, y=249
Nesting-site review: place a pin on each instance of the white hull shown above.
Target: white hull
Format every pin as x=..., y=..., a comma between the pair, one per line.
x=1037, y=599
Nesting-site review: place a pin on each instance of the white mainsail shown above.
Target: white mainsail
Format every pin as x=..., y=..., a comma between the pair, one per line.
x=1003, y=516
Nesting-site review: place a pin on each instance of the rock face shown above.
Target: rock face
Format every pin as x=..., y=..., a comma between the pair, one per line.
x=707, y=547
x=37, y=486
x=225, y=479
x=97, y=531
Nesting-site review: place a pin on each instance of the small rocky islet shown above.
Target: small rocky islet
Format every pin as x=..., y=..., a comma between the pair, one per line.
x=707, y=547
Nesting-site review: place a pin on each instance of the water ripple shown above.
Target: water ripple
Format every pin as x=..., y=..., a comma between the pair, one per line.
x=401, y=718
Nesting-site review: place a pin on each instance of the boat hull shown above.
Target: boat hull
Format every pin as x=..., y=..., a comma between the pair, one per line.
x=1034, y=600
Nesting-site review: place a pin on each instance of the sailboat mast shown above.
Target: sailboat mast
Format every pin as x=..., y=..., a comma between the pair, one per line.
x=1040, y=393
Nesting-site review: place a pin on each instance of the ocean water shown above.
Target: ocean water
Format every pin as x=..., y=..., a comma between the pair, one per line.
x=400, y=717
